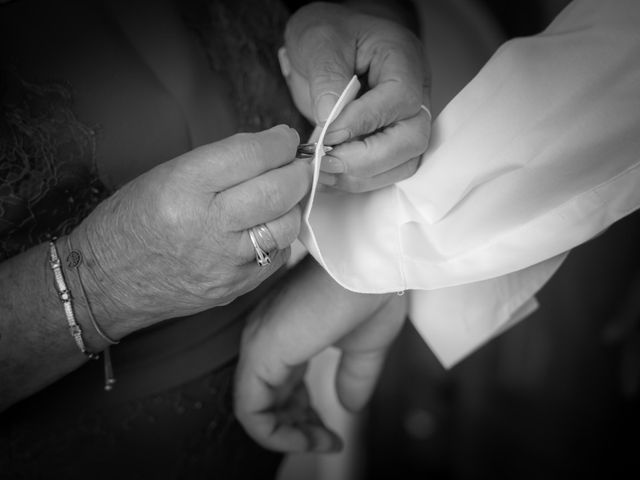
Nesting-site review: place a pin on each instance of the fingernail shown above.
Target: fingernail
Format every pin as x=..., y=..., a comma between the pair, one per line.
x=337, y=137
x=331, y=164
x=297, y=135
x=285, y=64
x=324, y=105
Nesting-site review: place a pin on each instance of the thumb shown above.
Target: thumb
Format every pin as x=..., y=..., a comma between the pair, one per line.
x=324, y=55
x=363, y=354
x=326, y=74
x=325, y=88
x=329, y=72
x=356, y=377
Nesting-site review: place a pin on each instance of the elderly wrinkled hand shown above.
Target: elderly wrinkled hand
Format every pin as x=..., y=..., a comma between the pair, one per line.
x=175, y=241
x=380, y=136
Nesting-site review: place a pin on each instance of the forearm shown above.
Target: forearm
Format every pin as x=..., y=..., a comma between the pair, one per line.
x=311, y=312
x=36, y=346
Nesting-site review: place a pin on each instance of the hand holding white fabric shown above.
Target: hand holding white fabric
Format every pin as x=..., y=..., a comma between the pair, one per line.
x=307, y=314
x=174, y=241
x=382, y=134
x=538, y=154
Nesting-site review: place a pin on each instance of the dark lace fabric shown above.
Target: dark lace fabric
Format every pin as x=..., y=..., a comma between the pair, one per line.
x=49, y=184
x=246, y=51
x=47, y=168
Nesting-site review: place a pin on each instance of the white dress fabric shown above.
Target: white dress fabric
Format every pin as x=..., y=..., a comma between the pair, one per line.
x=537, y=154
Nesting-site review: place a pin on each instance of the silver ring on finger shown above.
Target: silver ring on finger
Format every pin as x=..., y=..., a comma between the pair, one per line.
x=265, y=238
x=262, y=256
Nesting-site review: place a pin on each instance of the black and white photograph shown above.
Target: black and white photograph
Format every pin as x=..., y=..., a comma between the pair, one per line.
x=298, y=240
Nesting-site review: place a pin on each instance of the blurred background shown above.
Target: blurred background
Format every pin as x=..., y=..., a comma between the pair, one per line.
x=557, y=396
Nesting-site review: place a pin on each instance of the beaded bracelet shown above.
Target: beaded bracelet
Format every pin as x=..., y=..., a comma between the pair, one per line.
x=74, y=260
x=65, y=297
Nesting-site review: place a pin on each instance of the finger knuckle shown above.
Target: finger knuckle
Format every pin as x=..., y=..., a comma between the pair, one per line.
x=353, y=184
x=367, y=165
x=415, y=135
x=318, y=34
x=411, y=98
x=171, y=215
x=361, y=169
x=326, y=73
x=374, y=119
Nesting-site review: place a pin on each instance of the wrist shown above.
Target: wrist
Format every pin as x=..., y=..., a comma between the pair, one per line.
x=105, y=292
x=98, y=324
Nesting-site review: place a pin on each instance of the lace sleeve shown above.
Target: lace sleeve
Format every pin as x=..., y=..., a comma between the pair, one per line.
x=48, y=178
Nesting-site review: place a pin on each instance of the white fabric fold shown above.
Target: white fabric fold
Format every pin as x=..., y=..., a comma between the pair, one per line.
x=536, y=155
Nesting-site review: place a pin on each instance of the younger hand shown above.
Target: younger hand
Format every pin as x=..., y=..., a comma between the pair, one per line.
x=309, y=313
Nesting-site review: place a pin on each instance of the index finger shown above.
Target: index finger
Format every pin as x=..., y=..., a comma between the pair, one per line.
x=243, y=156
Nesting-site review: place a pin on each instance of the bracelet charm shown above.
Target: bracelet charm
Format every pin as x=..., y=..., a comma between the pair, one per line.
x=74, y=260
x=67, y=301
